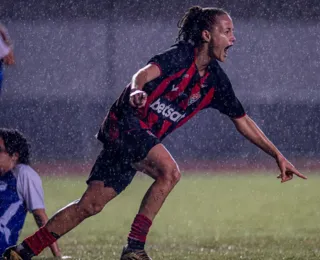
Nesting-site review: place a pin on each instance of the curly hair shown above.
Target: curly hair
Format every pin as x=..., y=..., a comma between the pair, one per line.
x=195, y=20
x=15, y=142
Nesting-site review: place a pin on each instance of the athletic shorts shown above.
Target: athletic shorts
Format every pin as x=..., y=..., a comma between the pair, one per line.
x=114, y=163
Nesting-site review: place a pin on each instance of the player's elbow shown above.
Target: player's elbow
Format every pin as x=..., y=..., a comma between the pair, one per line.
x=140, y=78
x=240, y=122
x=146, y=74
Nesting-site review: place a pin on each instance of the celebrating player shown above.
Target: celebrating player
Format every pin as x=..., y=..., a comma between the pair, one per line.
x=161, y=97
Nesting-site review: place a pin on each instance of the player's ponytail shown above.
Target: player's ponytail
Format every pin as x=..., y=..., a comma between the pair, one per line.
x=194, y=21
x=188, y=25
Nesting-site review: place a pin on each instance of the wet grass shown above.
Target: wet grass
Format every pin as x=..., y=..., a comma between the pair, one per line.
x=206, y=217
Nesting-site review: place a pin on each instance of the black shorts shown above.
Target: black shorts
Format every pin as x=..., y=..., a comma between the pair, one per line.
x=113, y=165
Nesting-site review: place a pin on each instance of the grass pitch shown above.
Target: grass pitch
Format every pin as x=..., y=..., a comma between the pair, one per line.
x=221, y=217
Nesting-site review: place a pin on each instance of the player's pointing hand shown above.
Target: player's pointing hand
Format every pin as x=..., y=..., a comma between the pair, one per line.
x=287, y=170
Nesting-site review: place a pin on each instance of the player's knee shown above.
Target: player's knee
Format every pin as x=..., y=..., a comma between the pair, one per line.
x=171, y=174
x=90, y=209
x=94, y=209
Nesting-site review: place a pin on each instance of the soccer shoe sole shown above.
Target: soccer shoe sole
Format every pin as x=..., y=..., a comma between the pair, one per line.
x=133, y=256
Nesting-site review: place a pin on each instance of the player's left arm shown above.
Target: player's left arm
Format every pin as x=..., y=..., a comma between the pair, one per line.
x=249, y=129
x=138, y=97
x=30, y=188
x=41, y=219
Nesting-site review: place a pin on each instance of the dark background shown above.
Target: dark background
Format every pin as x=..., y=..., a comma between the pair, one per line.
x=75, y=57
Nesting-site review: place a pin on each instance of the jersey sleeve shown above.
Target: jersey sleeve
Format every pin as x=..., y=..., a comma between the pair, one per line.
x=29, y=186
x=178, y=57
x=225, y=99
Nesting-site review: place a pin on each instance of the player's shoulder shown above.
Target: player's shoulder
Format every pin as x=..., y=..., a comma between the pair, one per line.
x=24, y=171
x=181, y=48
x=184, y=46
x=176, y=57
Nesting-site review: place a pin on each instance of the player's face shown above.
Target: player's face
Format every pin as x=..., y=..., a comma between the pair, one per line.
x=222, y=38
x=7, y=162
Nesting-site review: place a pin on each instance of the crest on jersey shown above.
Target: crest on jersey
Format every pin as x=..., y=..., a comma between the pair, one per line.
x=194, y=98
x=174, y=88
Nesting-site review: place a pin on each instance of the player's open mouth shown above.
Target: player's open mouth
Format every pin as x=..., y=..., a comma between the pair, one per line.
x=226, y=50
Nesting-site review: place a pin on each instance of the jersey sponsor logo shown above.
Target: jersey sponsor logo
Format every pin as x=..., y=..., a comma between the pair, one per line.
x=3, y=186
x=194, y=98
x=167, y=111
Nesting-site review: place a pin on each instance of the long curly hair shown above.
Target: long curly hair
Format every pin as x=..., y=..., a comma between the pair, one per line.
x=15, y=142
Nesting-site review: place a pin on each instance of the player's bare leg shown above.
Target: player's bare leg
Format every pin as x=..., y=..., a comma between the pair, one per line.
x=160, y=165
x=92, y=202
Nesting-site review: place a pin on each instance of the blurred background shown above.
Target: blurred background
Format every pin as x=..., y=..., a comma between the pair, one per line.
x=73, y=59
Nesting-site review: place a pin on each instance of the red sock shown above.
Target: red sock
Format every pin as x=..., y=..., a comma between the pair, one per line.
x=40, y=240
x=139, y=231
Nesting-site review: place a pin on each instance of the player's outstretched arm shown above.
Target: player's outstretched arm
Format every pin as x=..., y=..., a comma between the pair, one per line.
x=138, y=97
x=248, y=128
x=41, y=219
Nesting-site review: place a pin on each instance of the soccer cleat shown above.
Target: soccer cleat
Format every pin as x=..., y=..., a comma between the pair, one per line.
x=131, y=254
x=11, y=254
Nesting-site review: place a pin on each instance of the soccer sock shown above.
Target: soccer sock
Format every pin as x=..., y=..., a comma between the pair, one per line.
x=139, y=231
x=39, y=241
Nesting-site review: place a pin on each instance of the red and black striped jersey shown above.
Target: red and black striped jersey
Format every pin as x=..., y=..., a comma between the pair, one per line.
x=174, y=97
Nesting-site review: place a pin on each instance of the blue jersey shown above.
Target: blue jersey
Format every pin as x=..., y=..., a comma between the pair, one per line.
x=20, y=191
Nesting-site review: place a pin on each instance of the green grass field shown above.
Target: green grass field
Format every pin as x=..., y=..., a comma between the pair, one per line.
x=205, y=217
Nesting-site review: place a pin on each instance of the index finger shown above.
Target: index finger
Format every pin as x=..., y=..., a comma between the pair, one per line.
x=300, y=175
